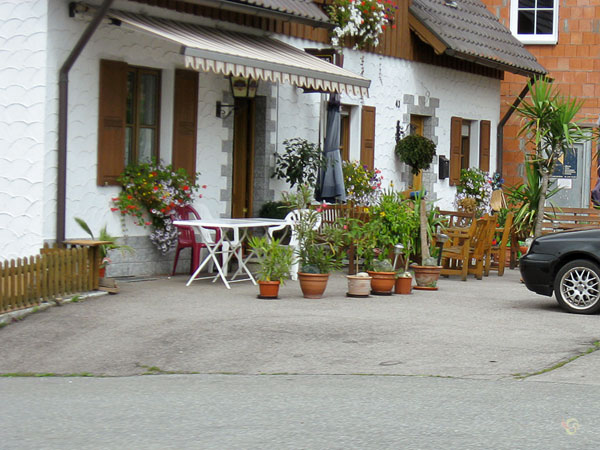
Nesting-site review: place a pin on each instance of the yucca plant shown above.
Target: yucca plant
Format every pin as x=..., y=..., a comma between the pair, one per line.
x=548, y=122
x=525, y=199
x=103, y=235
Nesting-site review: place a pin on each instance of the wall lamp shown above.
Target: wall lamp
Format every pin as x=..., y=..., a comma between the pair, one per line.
x=240, y=88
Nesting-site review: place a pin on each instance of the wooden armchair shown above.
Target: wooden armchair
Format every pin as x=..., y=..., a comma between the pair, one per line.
x=498, y=250
x=468, y=248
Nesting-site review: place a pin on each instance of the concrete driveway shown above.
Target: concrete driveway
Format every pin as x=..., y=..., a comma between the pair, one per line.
x=490, y=329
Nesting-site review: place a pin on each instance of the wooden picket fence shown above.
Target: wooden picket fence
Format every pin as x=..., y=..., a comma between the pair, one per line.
x=26, y=282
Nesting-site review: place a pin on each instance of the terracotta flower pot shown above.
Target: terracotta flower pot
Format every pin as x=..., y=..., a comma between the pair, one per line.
x=427, y=277
x=268, y=289
x=403, y=285
x=358, y=286
x=313, y=284
x=382, y=283
x=102, y=272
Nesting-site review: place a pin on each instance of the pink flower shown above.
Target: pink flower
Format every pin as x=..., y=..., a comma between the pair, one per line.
x=204, y=186
x=345, y=227
x=200, y=196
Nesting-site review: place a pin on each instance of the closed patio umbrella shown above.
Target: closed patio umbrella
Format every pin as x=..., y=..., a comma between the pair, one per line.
x=330, y=186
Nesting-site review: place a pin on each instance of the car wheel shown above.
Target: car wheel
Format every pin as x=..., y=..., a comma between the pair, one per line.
x=577, y=287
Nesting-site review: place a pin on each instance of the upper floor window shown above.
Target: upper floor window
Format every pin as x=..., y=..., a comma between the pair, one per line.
x=143, y=106
x=534, y=21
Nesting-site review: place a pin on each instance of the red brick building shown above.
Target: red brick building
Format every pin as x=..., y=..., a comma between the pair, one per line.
x=565, y=38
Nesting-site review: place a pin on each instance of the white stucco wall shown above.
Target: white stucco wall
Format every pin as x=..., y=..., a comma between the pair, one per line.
x=23, y=34
x=29, y=117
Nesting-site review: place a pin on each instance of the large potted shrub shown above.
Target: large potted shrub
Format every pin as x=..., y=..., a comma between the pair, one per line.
x=318, y=251
x=274, y=262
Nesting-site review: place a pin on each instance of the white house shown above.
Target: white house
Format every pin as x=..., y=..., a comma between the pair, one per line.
x=440, y=69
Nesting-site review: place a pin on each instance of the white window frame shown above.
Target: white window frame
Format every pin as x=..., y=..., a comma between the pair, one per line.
x=543, y=39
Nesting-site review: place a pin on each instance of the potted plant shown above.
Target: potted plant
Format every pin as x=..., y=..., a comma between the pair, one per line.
x=383, y=276
x=392, y=221
x=355, y=233
x=103, y=235
x=318, y=251
x=428, y=272
x=274, y=262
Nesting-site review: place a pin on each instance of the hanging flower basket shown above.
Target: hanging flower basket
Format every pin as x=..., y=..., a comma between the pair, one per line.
x=363, y=20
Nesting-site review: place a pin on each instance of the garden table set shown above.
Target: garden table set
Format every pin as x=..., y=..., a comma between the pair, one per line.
x=233, y=232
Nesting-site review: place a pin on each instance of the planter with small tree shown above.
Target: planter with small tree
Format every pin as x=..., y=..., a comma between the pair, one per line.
x=274, y=261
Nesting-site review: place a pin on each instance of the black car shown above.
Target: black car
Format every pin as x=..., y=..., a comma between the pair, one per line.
x=567, y=264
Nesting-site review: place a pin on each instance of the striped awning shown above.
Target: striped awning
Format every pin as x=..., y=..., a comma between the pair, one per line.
x=248, y=55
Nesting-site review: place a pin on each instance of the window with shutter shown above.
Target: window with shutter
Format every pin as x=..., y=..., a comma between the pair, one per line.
x=455, y=149
x=367, y=148
x=185, y=120
x=484, y=145
x=128, y=118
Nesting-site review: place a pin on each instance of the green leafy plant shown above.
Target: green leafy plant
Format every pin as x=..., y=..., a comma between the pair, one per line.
x=103, y=235
x=382, y=265
x=150, y=194
x=416, y=151
x=549, y=125
x=354, y=232
x=300, y=163
x=392, y=221
x=429, y=224
x=524, y=199
x=274, y=259
x=318, y=251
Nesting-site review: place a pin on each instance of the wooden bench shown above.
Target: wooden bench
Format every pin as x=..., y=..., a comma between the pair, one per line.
x=563, y=219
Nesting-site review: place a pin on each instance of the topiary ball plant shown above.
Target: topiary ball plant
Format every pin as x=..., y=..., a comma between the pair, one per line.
x=416, y=151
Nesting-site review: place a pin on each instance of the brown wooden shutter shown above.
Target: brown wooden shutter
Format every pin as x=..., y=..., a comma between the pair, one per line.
x=484, y=145
x=455, y=149
x=185, y=120
x=111, y=121
x=367, y=146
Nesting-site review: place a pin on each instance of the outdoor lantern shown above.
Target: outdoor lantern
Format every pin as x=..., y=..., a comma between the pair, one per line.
x=398, y=248
x=241, y=87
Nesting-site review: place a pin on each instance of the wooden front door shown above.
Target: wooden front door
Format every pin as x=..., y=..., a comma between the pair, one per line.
x=243, y=158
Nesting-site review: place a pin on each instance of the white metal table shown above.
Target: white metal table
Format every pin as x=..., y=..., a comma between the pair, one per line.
x=239, y=232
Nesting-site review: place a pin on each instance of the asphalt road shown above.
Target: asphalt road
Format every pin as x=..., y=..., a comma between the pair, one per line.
x=477, y=364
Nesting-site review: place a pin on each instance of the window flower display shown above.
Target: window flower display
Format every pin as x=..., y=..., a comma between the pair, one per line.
x=363, y=186
x=150, y=194
x=364, y=20
x=474, y=191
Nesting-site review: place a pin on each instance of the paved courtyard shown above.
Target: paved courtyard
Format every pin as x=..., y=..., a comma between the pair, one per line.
x=490, y=329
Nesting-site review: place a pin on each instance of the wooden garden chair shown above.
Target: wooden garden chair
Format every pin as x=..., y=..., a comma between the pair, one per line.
x=498, y=250
x=467, y=249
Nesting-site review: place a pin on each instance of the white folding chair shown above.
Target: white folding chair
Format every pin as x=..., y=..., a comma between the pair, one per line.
x=209, y=236
x=290, y=221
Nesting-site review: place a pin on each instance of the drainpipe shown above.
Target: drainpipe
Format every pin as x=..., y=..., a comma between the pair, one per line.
x=500, y=134
x=63, y=103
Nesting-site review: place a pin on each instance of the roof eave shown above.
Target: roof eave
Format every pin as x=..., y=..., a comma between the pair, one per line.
x=253, y=10
x=494, y=64
x=430, y=37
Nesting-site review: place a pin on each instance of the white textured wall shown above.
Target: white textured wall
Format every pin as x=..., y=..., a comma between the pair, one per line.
x=460, y=94
x=28, y=121
x=23, y=34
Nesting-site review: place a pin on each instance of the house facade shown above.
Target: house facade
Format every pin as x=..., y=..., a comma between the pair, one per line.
x=565, y=39
x=171, y=61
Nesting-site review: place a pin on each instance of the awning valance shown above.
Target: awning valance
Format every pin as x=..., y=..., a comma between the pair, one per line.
x=248, y=55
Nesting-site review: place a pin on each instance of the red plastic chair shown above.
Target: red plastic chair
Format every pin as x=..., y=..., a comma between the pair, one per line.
x=187, y=237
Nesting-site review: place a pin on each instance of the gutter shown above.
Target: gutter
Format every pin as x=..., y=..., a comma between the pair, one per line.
x=63, y=105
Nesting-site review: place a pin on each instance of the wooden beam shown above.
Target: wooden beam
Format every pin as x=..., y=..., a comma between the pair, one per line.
x=426, y=35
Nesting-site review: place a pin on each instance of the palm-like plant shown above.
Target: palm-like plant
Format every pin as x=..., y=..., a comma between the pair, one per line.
x=548, y=121
x=526, y=199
